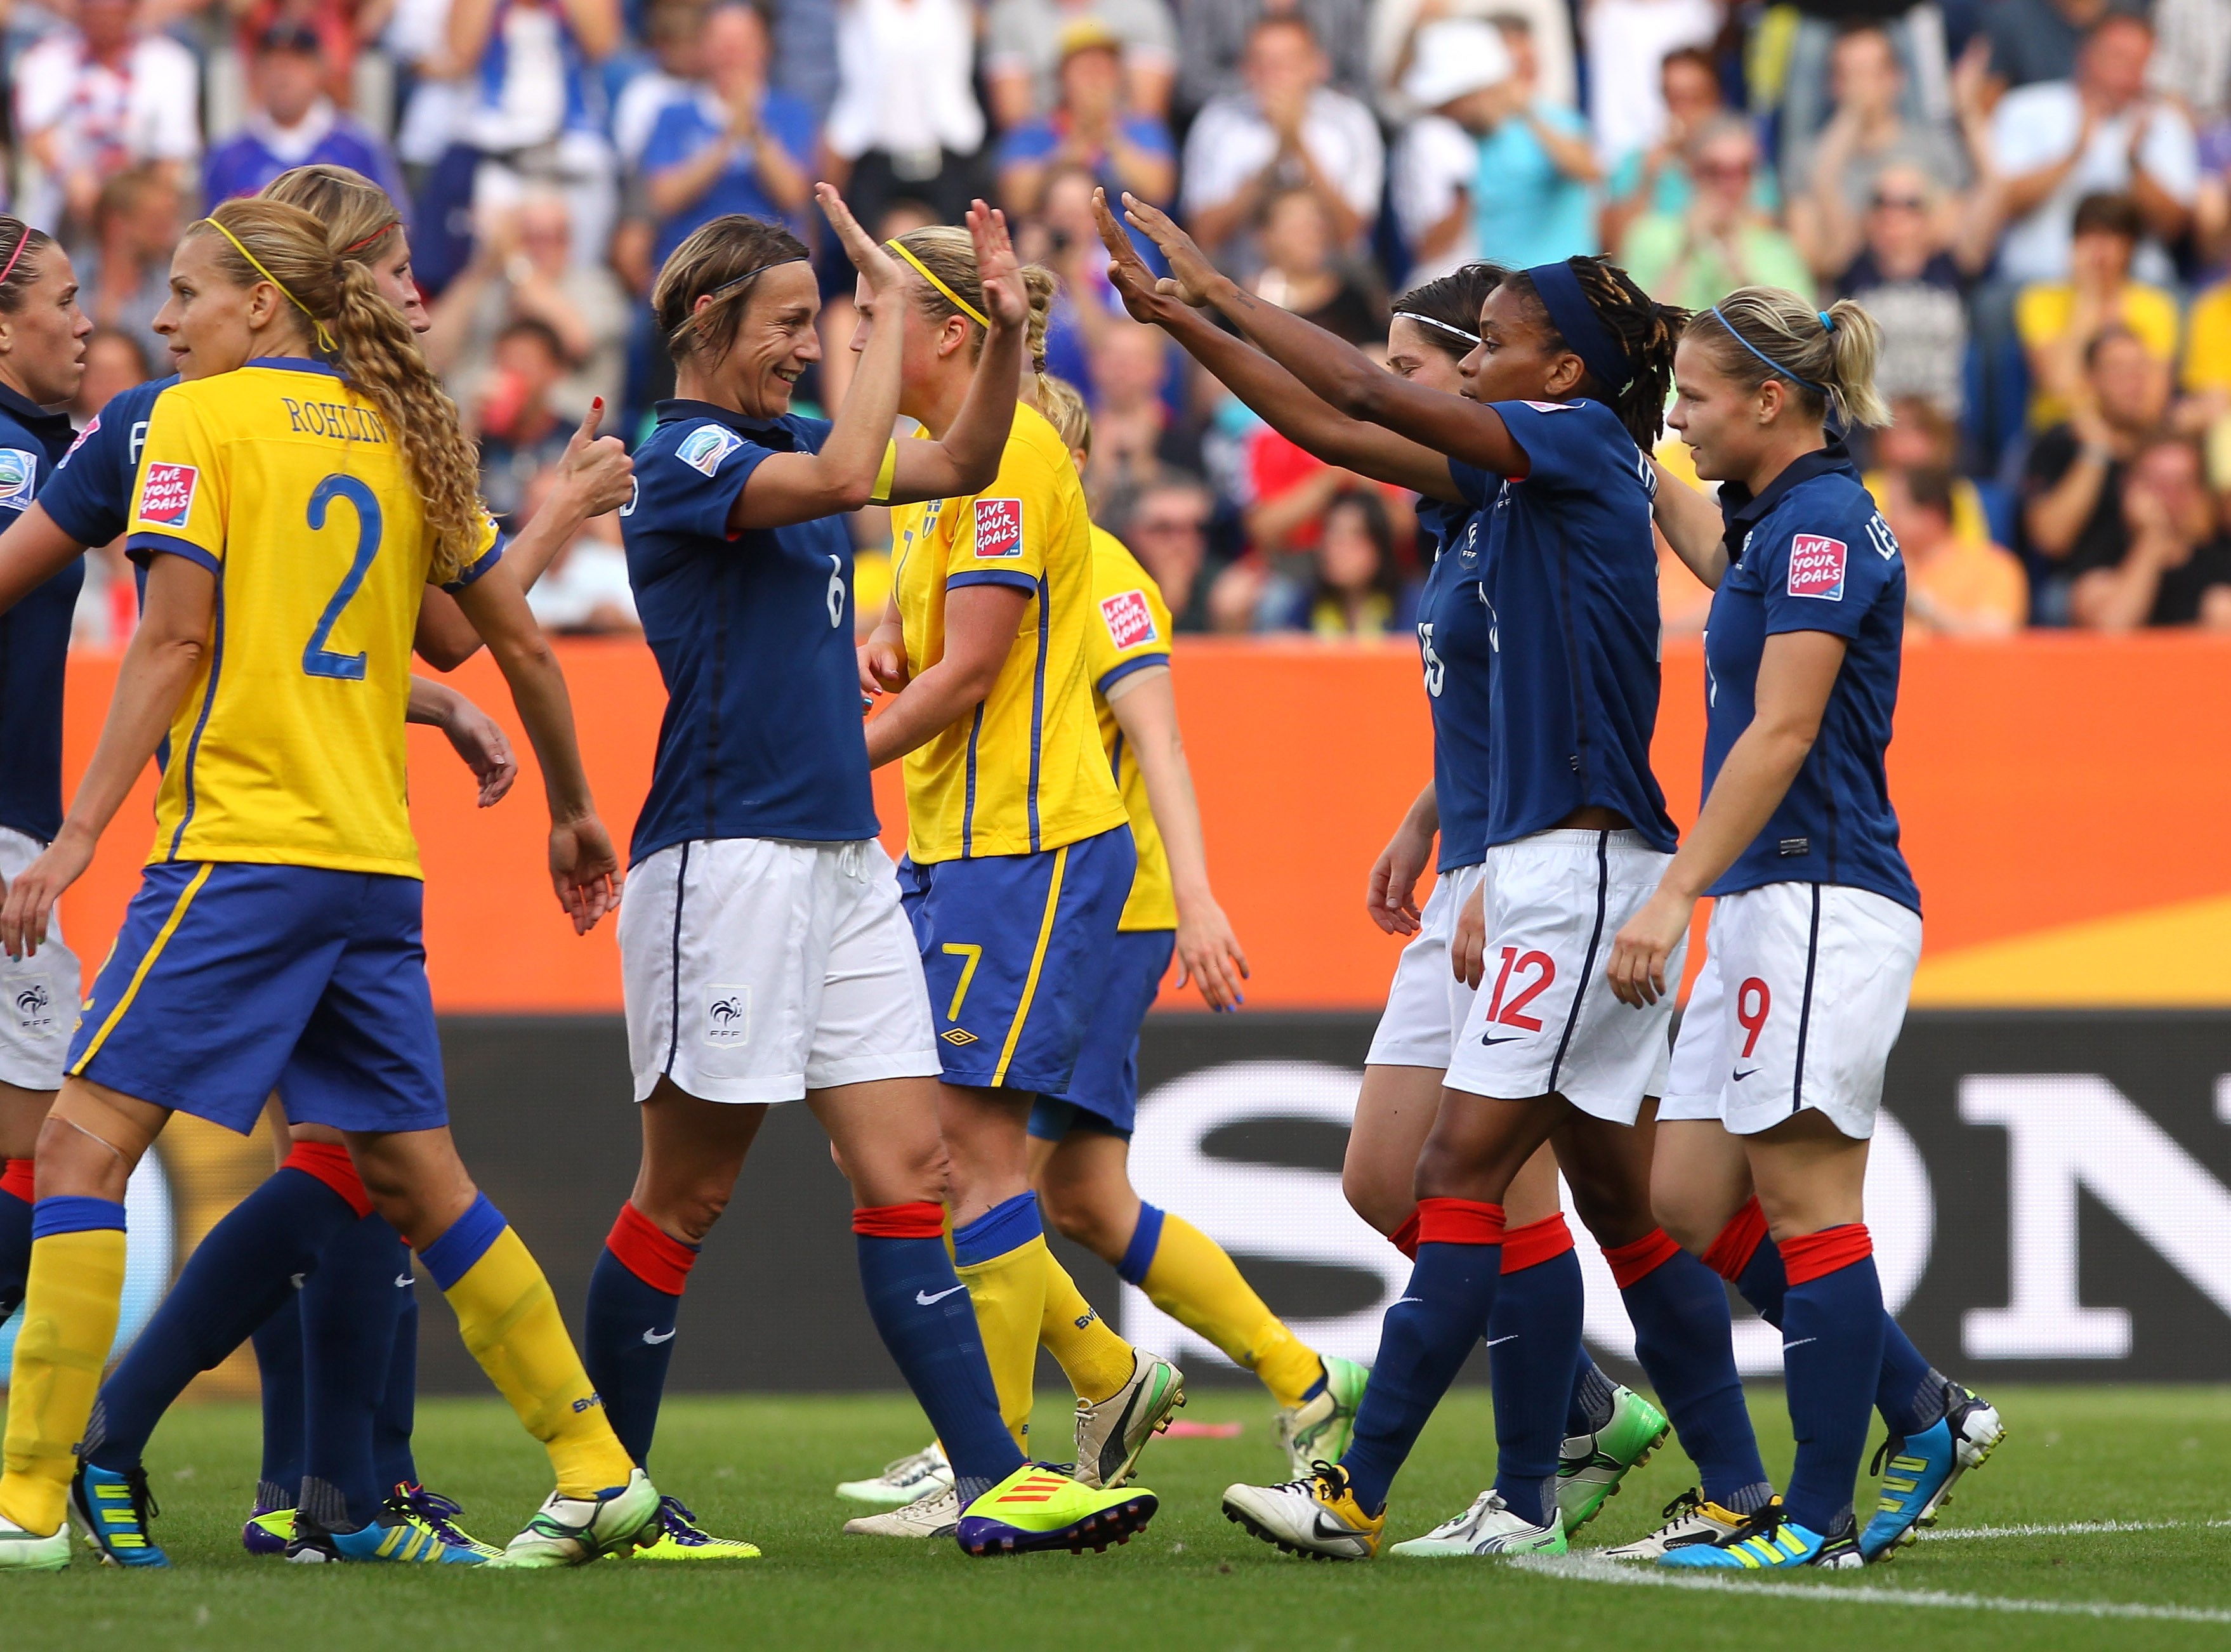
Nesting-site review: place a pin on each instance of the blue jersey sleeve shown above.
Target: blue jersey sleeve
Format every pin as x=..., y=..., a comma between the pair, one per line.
x=1825, y=570
x=89, y=496
x=1477, y=487
x=1572, y=446
x=687, y=484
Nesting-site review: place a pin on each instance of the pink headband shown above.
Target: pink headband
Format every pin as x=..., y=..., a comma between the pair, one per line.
x=9, y=268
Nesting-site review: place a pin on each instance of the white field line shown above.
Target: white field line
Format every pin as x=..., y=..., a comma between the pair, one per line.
x=1579, y=1568
x=2078, y=1528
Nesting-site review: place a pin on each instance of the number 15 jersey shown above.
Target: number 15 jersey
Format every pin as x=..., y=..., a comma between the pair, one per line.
x=291, y=491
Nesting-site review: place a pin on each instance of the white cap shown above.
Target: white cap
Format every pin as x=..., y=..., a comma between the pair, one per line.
x=1454, y=57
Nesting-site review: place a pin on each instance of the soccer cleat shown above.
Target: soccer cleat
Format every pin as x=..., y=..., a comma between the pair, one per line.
x=1776, y=1544
x=1318, y=1429
x=680, y=1537
x=1038, y=1508
x=440, y=1514
x=1111, y=1433
x=905, y=1479
x=572, y=1531
x=1317, y=1516
x=1489, y=1527
x=115, y=1511
x=400, y=1540
x=22, y=1550
x=1591, y=1466
x=1691, y=1519
x=268, y=1531
x=933, y=1515
x=1924, y=1469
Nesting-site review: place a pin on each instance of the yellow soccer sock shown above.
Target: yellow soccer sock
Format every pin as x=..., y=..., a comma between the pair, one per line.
x=1096, y=1360
x=1187, y=1275
x=510, y=1322
x=70, y=1305
x=1008, y=1292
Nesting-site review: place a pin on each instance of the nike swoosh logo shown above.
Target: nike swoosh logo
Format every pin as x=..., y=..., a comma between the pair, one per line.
x=1510, y=1038
x=1400, y=1299
x=1741, y=1076
x=402, y=1280
x=1800, y=1343
x=1498, y=1341
x=926, y=1299
x=653, y=1338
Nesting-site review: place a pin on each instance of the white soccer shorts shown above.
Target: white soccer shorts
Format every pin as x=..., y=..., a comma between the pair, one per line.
x=38, y=1011
x=1802, y=997
x=1544, y=1018
x=756, y=969
x=1426, y=1004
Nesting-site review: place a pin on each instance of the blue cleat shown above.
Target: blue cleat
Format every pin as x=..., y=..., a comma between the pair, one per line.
x=401, y=1537
x=442, y=1515
x=1919, y=1472
x=115, y=1512
x=1778, y=1543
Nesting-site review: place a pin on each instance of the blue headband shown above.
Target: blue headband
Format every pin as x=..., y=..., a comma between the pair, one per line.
x=1772, y=365
x=1582, y=329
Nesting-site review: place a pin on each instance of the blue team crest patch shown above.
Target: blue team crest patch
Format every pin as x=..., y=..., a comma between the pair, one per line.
x=18, y=470
x=704, y=447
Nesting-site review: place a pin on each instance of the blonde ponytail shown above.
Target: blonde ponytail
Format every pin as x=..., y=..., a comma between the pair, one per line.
x=359, y=216
x=1063, y=404
x=949, y=254
x=1828, y=356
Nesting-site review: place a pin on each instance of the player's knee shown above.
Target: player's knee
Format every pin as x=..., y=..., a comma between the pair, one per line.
x=690, y=1213
x=1446, y=1173
x=1385, y=1202
x=72, y=1159
x=1613, y=1211
x=1687, y=1220
x=1083, y=1220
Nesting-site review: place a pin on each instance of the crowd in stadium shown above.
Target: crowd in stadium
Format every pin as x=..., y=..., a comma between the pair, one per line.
x=2032, y=195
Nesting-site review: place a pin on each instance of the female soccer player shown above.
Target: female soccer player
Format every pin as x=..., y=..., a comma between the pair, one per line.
x=283, y=884
x=1556, y=1414
x=766, y=955
x=1018, y=855
x=1817, y=925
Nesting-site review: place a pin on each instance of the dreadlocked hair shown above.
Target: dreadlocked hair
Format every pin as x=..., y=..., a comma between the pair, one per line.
x=1827, y=358
x=949, y=254
x=720, y=259
x=1063, y=404
x=20, y=244
x=378, y=356
x=1645, y=331
x=1450, y=306
x=357, y=213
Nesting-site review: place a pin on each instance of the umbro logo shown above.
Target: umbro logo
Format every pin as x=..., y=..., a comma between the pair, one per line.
x=957, y=1036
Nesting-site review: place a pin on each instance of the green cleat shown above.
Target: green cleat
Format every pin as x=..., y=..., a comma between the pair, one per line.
x=1319, y=1429
x=1591, y=1466
x=680, y=1537
x=1037, y=1508
x=22, y=1550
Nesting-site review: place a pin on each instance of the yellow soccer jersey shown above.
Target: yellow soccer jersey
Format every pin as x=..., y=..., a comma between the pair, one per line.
x=1026, y=772
x=1130, y=629
x=288, y=749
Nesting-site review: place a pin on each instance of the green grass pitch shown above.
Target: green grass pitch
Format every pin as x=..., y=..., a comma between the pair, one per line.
x=2150, y=1461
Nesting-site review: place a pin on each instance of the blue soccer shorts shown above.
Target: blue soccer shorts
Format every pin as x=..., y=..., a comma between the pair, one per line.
x=1103, y=1091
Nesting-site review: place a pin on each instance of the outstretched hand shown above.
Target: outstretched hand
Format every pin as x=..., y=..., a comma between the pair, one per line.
x=883, y=273
x=1127, y=273
x=1007, y=299
x=1194, y=277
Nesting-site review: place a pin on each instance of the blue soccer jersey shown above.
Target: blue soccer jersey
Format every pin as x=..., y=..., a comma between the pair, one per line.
x=35, y=634
x=90, y=498
x=1811, y=554
x=1458, y=643
x=753, y=633
x=1570, y=573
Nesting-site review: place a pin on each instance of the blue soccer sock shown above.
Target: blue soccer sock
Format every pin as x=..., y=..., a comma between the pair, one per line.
x=1533, y=1347
x=348, y=1342
x=240, y=1273
x=926, y=1319
x=279, y=1369
x=1594, y=1399
x=1909, y=1394
x=1424, y=1338
x=392, y=1423
x=627, y=1340
x=1685, y=1341
x=1831, y=1358
x=15, y=1233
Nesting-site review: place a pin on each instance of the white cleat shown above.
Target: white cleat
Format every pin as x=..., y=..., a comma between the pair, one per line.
x=1689, y=1519
x=933, y=1516
x=905, y=1479
x=1318, y=1517
x=1112, y=1433
x=1489, y=1527
x=22, y=1550
x=574, y=1531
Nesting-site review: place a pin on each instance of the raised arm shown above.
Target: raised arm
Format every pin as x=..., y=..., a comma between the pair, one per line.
x=965, y=458
x=1691, y=524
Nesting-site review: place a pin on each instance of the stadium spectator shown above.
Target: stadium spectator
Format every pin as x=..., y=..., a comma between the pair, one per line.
x=2073, y=519
x=1954, y=585
x=520, y=271
x=97, y=97
x=1915, y=288
x=291, y=121
x=1800, y=90
x=1089, y=128
x=1303, y=271
x=1354, y=589
x=522, y=432
x=1216, y=36
x=1452, y=78
x=1656, y=179
x=2175, y=564
x=1534, y=203
x=677, y=66
x=1165, y=520
x=1829, y=177
x=906, y=123
x=1627, y=42
x=2034, y=40
x=1288, y=129
x=124, y=278
x=1722, y=242
x=1027, y=41
x=1921, y=436
x=584, y=591
x=1396, y=26
x=2102, y=131
x=1064, y=238
x=2191, y=64
x=1135, y=435
x=2057, y=319
x=734, y=144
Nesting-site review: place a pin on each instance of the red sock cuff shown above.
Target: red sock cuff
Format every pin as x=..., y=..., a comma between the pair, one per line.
x=923, y=1219
x=1811, y=1255
x=330, y=1163
x=1739, y=1241
x=654, y=1256
x=16, y=1178
x=1458, y=1222
x=1632, y=1263
x=1405, y=1238
x=1532, y=1243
